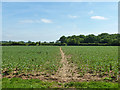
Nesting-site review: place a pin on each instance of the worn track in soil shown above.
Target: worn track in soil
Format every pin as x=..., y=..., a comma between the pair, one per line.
x=68, y=72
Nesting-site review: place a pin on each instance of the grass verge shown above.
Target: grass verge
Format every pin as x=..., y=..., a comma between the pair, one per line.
x=92, y=84
x=36, y=83
x=22, y=83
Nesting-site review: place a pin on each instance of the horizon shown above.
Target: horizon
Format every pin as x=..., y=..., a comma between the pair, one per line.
x=50, y=20
x=55, y=40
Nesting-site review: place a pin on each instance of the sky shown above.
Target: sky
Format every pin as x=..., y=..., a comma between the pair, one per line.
x=48, y=21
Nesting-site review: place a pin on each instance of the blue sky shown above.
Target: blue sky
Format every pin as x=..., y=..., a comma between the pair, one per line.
x=48, y=21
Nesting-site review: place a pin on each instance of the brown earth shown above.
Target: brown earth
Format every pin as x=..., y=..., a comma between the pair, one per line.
x=68, y=72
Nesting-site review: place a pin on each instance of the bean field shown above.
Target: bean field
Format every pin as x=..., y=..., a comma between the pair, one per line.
x=30, y=59
x=61, y=64
x=101, y=60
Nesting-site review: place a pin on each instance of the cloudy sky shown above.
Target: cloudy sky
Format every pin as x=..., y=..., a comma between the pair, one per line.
x=48, y=21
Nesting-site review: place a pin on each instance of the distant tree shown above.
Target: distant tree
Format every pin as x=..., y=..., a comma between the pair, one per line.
x=115, y=42
x=21, y=43
x=44, y=42
x=81, y=36
x=62, y=39
x=29, y=41
x=39, y=43
x=52, y=42
x=57, y=41
x=90, y=38
x=105, y=40
x=103, y=35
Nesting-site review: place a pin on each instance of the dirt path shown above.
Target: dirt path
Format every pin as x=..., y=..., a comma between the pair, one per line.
x=68, y=72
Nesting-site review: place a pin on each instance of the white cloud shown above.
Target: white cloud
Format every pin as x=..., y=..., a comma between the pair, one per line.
x=99, y=17
x=46, y=20
x=71, y=16
x=36, y=21
x=91, y=12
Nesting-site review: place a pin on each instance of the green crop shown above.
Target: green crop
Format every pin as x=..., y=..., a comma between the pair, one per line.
x=102, y=60
x=30, y=59
x=95, y=59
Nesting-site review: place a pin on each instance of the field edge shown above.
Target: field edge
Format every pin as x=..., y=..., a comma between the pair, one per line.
x=36, y=83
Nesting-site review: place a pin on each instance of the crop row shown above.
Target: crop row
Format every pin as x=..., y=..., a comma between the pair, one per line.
x=30, y=59
x=102, y=60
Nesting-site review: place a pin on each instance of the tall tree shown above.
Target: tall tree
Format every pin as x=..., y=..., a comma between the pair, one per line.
x=62, y=39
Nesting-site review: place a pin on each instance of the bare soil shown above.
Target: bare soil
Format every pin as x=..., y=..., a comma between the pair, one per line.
x=68, y=72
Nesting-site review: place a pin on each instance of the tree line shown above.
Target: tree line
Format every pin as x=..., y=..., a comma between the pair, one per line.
x=91, y=39
x=103, y=39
